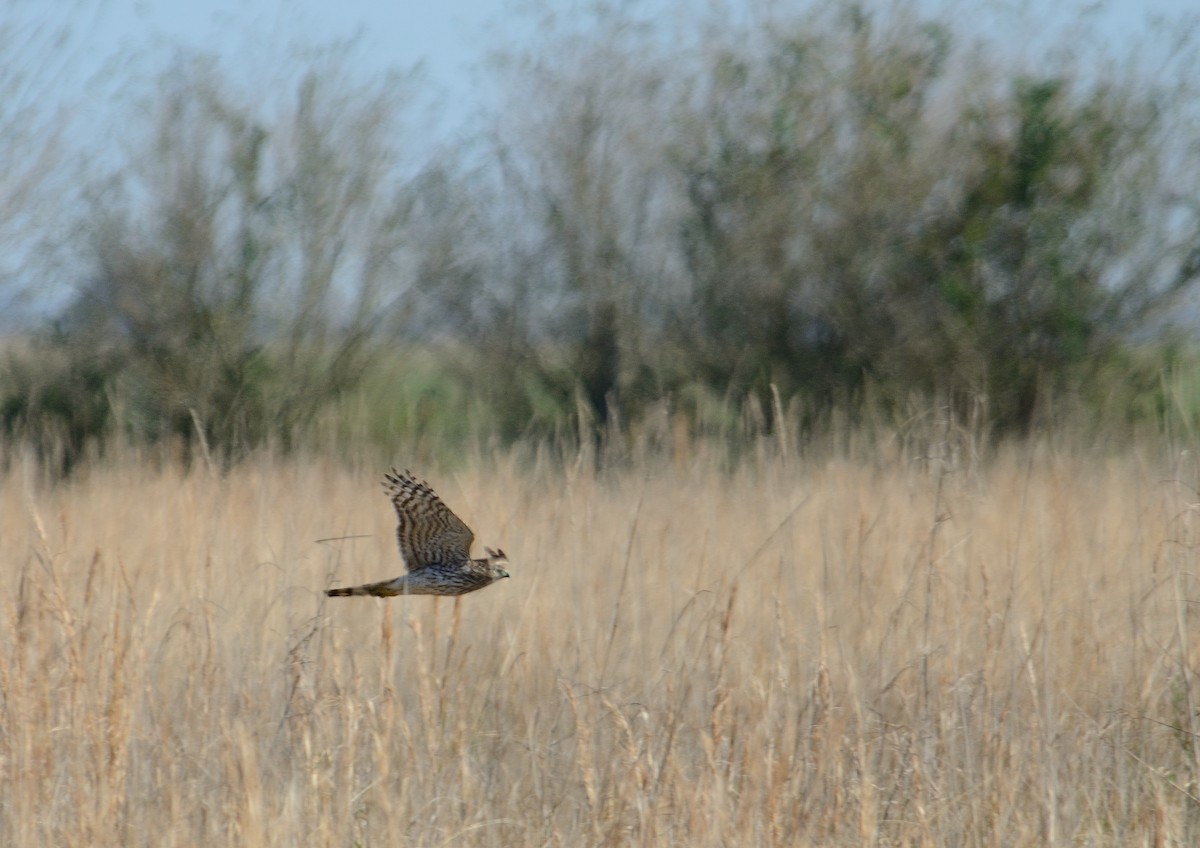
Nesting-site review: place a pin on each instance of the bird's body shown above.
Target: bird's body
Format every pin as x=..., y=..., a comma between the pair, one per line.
x=434, y=579
x=435, y=545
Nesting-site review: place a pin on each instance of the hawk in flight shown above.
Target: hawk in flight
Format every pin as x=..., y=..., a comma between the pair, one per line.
x=435, y=546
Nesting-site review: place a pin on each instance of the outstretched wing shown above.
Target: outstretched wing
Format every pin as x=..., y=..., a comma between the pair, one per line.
x=427, y=531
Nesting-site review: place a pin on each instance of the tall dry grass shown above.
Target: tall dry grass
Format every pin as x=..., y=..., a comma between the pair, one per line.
x=896, y=653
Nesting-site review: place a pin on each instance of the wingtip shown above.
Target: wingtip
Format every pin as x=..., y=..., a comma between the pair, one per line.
x=395, y=477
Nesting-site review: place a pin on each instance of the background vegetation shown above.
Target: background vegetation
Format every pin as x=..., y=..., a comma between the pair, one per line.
x=856, y=214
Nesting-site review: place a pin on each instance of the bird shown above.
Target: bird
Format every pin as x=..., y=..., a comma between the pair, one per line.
x=435, y=545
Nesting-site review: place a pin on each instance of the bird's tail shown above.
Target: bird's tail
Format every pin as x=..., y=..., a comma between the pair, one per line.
x=384, y=589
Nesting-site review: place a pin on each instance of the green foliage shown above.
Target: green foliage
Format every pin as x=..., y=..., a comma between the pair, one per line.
x=57, y=404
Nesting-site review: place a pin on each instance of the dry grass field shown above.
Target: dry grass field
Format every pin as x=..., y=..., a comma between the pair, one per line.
x=808, y=653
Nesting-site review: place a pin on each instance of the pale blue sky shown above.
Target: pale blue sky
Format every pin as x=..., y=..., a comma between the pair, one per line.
x=449, y=39
x=450, y=36
x=392, y=32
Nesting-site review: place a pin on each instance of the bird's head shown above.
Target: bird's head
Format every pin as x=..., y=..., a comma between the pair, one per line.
x=496, y=560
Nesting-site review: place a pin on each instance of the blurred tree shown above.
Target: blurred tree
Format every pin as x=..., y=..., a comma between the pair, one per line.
x=242, y=262
x=806, y=159
x=855, y=213
x=39, y=48
x=578, y=140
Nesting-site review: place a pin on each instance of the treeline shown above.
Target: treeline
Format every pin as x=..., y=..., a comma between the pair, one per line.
x=846, y=213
